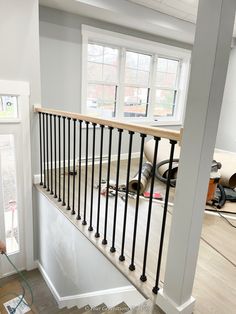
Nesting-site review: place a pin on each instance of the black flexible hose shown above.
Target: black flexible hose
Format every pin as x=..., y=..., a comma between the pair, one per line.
x=222, y=198
x=160, y=177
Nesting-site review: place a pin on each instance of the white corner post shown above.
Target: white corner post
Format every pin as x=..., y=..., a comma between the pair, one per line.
x=207, y=80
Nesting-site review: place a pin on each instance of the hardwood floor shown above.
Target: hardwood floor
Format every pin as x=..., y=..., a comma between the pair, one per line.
x=44, y=302
x=215, y=282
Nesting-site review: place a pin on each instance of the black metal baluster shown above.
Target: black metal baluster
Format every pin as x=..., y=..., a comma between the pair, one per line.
x=68, y=182
x=143, y=276
x=51, y=192
x=59, y=157
x=113, y=249
x=156, y=288
x=104, y=241
x=40, y=150
x=86, y=175
x=132, y=266
x=44, y=154
x=55, y=156
x=97, y=235
x=48, y=189
x=79, y=175
x=122, y=256
x=64, y=163
x=74, y=149
x=92, y=180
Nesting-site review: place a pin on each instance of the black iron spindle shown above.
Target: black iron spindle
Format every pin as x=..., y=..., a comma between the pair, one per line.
x=143, y=276
x=59, y=158
x=84, y=222
x=122, y=256
x=92, y=179
x=97, y=235
x=64, y=163
x=55, y=157
x=113, y=249
x=40, y=150
x=74, y=149
x=79, y=174
x=104, y=241
x=48, y=189
x=51, y=151
x=132, y=265
x=44, y=154
x=156, y=288
x=68, y=167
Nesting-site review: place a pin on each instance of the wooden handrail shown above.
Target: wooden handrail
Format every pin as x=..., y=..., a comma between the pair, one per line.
x=153, y=131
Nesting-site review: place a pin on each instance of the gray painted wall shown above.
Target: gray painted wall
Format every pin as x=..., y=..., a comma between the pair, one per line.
x=71, y=261
x=19, y=51
x=61, y=54
x=226, y=138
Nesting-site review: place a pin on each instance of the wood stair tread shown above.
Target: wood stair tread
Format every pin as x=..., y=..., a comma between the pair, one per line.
x=147, y=307
x=74, y=310
x=84, y=309
x=118, y=309
x=98, y=309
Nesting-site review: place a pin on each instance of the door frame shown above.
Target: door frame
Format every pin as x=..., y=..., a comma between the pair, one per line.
x=21, y=89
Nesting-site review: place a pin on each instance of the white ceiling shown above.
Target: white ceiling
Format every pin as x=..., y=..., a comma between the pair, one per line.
x=174, y=19
x=182, y=9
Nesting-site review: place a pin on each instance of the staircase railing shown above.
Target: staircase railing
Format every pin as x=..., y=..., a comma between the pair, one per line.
x=61, y=137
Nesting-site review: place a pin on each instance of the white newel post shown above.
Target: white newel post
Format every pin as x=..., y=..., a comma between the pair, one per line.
x=207, y=80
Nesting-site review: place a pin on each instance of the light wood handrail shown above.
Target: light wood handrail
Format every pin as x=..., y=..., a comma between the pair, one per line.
x=153, y=131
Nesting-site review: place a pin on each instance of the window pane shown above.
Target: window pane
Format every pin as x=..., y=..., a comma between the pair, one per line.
x=172, y=66
x=162, y=65
x=137, y=69
x=144, y=62
x=101, y=100
x=135, y=102
x=109, y=73
x=142, y=78
x=95, y=53
x=131, y=76
x=167, y=80
x=167, y=70
x=8, y=107
x=8, y=190
x=110, y=56
x=164, y=103
x=131, y=60
x=94, y=71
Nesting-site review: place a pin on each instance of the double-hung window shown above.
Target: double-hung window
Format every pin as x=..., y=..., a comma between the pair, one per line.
x=137, y=84
x=102, y=74
x=133, y=79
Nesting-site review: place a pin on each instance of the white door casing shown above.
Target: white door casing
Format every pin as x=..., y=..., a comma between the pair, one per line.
x=20, y=129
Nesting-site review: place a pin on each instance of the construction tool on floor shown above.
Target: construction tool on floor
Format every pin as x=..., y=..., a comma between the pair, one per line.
x=145, y=176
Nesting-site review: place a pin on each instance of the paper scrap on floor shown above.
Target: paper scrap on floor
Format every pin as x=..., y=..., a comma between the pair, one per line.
x=21, y=309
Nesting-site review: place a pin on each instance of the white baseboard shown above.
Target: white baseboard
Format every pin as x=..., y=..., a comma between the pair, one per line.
x=110, y=297
x=168, y=306
x=36, y=177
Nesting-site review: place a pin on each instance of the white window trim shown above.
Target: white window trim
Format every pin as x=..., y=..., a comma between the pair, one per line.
x=119, y=40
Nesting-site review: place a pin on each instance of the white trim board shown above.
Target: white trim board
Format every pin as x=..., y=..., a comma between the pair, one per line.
x=36, y=177
x=111, y=297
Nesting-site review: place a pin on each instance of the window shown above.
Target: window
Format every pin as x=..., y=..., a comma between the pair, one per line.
x=8, y=107
x=130, y=78
x=102, y=80
x=166, y=87
x=137, y=79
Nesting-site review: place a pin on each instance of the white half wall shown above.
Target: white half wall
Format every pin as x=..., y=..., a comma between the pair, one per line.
x=226, y=138
x=73, y=266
